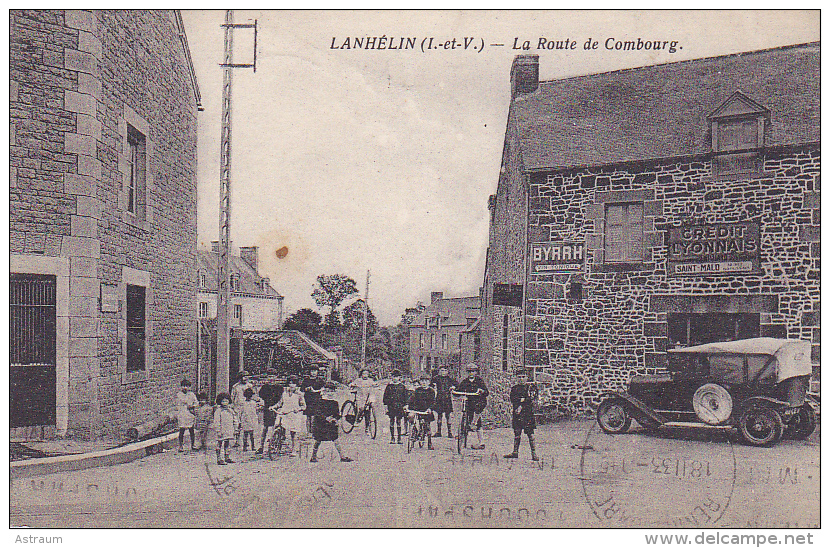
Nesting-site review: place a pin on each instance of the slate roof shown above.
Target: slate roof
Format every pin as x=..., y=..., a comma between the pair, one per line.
x=661, y=111
x=453, y=311
x=249, y=279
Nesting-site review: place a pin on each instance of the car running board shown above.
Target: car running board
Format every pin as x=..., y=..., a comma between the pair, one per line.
x=698, y=425
x=641, y=408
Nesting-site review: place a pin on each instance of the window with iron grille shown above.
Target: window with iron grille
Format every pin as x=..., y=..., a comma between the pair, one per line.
x=136, y=328
x=32, y=318
x=624, y=233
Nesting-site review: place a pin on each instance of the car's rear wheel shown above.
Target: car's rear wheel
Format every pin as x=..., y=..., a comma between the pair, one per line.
x=613, y=416
x=761, y=426
x=803, y=424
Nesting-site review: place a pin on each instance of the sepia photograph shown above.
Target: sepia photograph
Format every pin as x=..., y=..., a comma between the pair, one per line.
x=428, y=269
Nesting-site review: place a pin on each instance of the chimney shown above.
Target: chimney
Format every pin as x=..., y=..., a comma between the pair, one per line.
x=437, y=296
x=250, y=255
x=524, y=75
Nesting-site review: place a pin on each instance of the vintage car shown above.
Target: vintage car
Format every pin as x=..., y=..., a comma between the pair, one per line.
x=757, y=386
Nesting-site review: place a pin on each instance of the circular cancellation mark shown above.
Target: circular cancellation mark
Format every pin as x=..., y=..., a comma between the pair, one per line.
x=640, y=480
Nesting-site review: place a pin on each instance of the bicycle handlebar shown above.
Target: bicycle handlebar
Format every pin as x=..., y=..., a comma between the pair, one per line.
x=467, y=393
x=428, y=412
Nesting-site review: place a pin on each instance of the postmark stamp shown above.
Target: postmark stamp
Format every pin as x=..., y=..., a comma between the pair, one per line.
x=630, y=481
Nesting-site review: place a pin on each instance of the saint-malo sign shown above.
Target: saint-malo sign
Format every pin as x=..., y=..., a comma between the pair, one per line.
x=720, y=248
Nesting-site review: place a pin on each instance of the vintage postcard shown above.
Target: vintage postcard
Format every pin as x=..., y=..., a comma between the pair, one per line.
x=415, y=269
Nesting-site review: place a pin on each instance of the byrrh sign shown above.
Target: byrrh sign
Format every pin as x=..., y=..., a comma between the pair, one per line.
x=550, y=257
x=720, y=248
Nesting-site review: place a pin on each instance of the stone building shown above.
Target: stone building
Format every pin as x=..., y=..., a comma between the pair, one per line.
x=255, y=305
x=650, y=208
x=102, y=219
x=435, y=336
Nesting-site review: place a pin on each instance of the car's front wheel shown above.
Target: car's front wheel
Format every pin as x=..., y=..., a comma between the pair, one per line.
x=613, y=416
x=761, y=426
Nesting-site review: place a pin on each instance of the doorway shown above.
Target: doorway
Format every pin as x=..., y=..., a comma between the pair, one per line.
x=32, y=350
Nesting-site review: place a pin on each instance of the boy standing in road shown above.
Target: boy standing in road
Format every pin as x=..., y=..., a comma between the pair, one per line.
x=522, y=396
x=311, y=388
x=363, y=386
x=443, y=385
x=270, y=394
x=326, y=425
x=476, y=402
x=422, y=400
x=395, y=398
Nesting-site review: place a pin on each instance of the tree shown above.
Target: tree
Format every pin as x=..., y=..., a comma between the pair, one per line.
x=305, y=320
x=353, y=318
x=330, y=291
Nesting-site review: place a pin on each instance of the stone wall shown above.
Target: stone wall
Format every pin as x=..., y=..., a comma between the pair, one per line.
x=618, y=330
x=77, y=78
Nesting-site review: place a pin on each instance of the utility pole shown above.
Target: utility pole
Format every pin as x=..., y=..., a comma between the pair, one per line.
x=365, y=319
x=223, y=269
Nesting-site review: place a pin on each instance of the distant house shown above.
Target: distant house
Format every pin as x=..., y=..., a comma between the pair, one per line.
x=435, y=336
x=255, y=305
x=102, y=219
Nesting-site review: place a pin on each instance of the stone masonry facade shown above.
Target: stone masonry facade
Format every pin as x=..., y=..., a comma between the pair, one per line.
x=80, y=83
x=617, y=330
x=585, y=331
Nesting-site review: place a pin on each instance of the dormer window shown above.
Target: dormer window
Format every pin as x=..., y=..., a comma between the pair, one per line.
x=738, y=127
x=234, y=282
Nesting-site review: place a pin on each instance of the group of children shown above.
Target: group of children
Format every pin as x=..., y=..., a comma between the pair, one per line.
x=237, y=413
x=311, y=407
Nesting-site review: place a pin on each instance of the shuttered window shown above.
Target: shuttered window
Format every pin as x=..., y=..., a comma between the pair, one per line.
x=624, y=233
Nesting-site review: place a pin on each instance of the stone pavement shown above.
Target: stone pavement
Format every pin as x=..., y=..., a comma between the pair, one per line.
x=585, y=479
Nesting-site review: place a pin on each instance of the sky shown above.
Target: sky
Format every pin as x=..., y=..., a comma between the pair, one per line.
x=382, y=160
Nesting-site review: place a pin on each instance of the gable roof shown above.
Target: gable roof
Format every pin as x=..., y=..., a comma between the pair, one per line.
x=250, y=282
x=453, y=311
x=661, y=111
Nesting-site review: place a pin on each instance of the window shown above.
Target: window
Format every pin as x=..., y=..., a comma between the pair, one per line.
x=693, y=329
x=432, y=340
x=624, y=233
x=476, y=346
x=203, y=310
x=575, y=292
x=443, y=341
x=738, y=128
x=136, y=177
x=136, y=328
x=234, y=282
x=420, y=340
x=429, y=362
x=237, y=313
x=202, y=278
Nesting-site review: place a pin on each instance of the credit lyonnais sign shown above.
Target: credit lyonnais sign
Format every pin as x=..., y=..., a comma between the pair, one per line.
x=554, y=257
x=720, y=248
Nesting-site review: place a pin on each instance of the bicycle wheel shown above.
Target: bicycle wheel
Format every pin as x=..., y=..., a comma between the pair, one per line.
x=372, y=421
x=280, y=440
x=273, y=449
x=462, y=434
x=410, y=440
x=348, y=414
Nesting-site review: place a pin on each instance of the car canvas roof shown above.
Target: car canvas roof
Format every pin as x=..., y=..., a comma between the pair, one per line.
x=792, y=355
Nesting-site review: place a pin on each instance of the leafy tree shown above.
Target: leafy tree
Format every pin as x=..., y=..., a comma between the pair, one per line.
x=305, y=320
x=330, y=291
x=353, y=318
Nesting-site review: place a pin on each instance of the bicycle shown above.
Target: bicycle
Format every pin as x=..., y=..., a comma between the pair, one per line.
x=464, y=427
x=418, y=429
x=276, y=443
x=351, y=416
